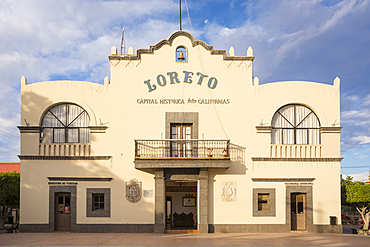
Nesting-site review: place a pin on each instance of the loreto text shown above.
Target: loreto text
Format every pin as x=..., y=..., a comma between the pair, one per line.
x=188, y=77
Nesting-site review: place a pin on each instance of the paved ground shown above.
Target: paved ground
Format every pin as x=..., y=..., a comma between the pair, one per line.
x=148, y=239
x=132, y=239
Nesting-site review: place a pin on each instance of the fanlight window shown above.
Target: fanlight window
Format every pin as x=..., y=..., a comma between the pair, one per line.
x=65, y=123
x=295, y=124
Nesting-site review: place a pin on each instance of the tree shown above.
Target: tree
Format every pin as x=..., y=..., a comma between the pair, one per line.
x=9, y=194
x=343, y=187
x=359, y=195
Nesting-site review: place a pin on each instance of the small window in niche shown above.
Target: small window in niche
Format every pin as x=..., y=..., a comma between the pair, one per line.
x=263, y=202
x=181, y=54
x=98, y=202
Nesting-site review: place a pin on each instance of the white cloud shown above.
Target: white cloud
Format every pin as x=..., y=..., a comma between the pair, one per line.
x=366, y=101
x=343, y=8
x=362, y=139
x=350, y=97
x=359, y=176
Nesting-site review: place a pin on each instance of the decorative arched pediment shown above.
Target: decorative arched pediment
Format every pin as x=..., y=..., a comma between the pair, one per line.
x=170, y=41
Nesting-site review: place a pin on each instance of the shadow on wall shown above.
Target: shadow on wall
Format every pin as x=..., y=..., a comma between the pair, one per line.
x=32, y=103
x=237, y=157
x=237, y=167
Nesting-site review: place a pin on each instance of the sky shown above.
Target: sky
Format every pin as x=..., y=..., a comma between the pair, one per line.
x=309, y=40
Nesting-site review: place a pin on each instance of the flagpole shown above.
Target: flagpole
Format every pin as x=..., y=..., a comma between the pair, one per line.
x=180, y=15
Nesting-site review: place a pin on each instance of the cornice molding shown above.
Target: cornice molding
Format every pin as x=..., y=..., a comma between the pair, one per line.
x=330, y=129
x=263, y=129
x=29, y=129
x=283, y=179
x=79, y=179
x=272, y=159
x=41, y=157
x=98, y=129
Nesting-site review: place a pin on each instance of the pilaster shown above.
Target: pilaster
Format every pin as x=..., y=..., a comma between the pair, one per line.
x=160, y=200
x=203, y=200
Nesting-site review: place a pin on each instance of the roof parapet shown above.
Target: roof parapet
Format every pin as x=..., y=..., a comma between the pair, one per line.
x=106, y=81
x=113, y=50
x=169, y=41
x=231, y=52
x=256, y=81
x=336, y=82
x=23, y=80
x=130, y=51
x=250, y=52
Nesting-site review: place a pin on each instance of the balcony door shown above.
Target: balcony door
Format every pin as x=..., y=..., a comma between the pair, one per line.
x=181, y=148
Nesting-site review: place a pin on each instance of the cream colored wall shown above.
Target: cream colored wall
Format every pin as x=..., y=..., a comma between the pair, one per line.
x=116, y=106
x=323, y=99
x=326, y=192
x=35, y=191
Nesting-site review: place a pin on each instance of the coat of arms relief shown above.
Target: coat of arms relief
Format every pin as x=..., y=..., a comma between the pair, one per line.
x=133, y=190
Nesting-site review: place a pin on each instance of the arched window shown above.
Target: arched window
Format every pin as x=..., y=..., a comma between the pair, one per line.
x=295, y=124
x=65, y=123
x=181, y=54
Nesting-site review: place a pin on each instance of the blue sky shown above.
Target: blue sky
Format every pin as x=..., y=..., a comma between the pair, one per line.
x=292, y=40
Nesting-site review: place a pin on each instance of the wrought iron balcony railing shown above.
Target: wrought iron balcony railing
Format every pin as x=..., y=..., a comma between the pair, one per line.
x=182, y=149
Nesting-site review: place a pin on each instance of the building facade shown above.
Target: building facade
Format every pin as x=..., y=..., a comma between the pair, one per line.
x=180, y=137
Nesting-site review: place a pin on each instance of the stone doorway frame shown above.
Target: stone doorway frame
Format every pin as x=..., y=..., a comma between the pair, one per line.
x=161, y=176
x=62, y=189
x=309, y=206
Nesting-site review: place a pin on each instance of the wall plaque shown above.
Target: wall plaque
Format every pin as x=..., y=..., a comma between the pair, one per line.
x=133, y=190
x=228, y=191
x=148, y=193
x=189, y=200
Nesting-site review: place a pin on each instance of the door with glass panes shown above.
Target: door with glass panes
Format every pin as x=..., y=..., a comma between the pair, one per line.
x=298, y=211
x=63, y=212
x=181, y=148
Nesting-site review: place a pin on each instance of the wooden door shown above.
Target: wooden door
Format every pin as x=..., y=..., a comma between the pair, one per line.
x=298, y=211
x=181, y=148
x=63, y=212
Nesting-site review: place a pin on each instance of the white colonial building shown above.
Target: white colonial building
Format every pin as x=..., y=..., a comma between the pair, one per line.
x=181, y=137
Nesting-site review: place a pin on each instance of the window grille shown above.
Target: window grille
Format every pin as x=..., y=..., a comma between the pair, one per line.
x=65, y=123
x=295, y=124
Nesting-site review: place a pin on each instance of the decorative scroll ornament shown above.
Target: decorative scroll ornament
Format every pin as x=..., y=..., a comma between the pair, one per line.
x=133, y=190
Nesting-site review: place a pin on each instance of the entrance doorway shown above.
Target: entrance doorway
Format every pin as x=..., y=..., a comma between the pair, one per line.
x=298, y=211
x=181, y=205
x=63, y=211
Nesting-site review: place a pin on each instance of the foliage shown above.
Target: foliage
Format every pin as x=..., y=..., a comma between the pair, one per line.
x=9, y=194
x=359, y=194
x=343, y=184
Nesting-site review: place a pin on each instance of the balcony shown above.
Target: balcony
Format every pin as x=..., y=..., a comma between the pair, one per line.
x=182, y=153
